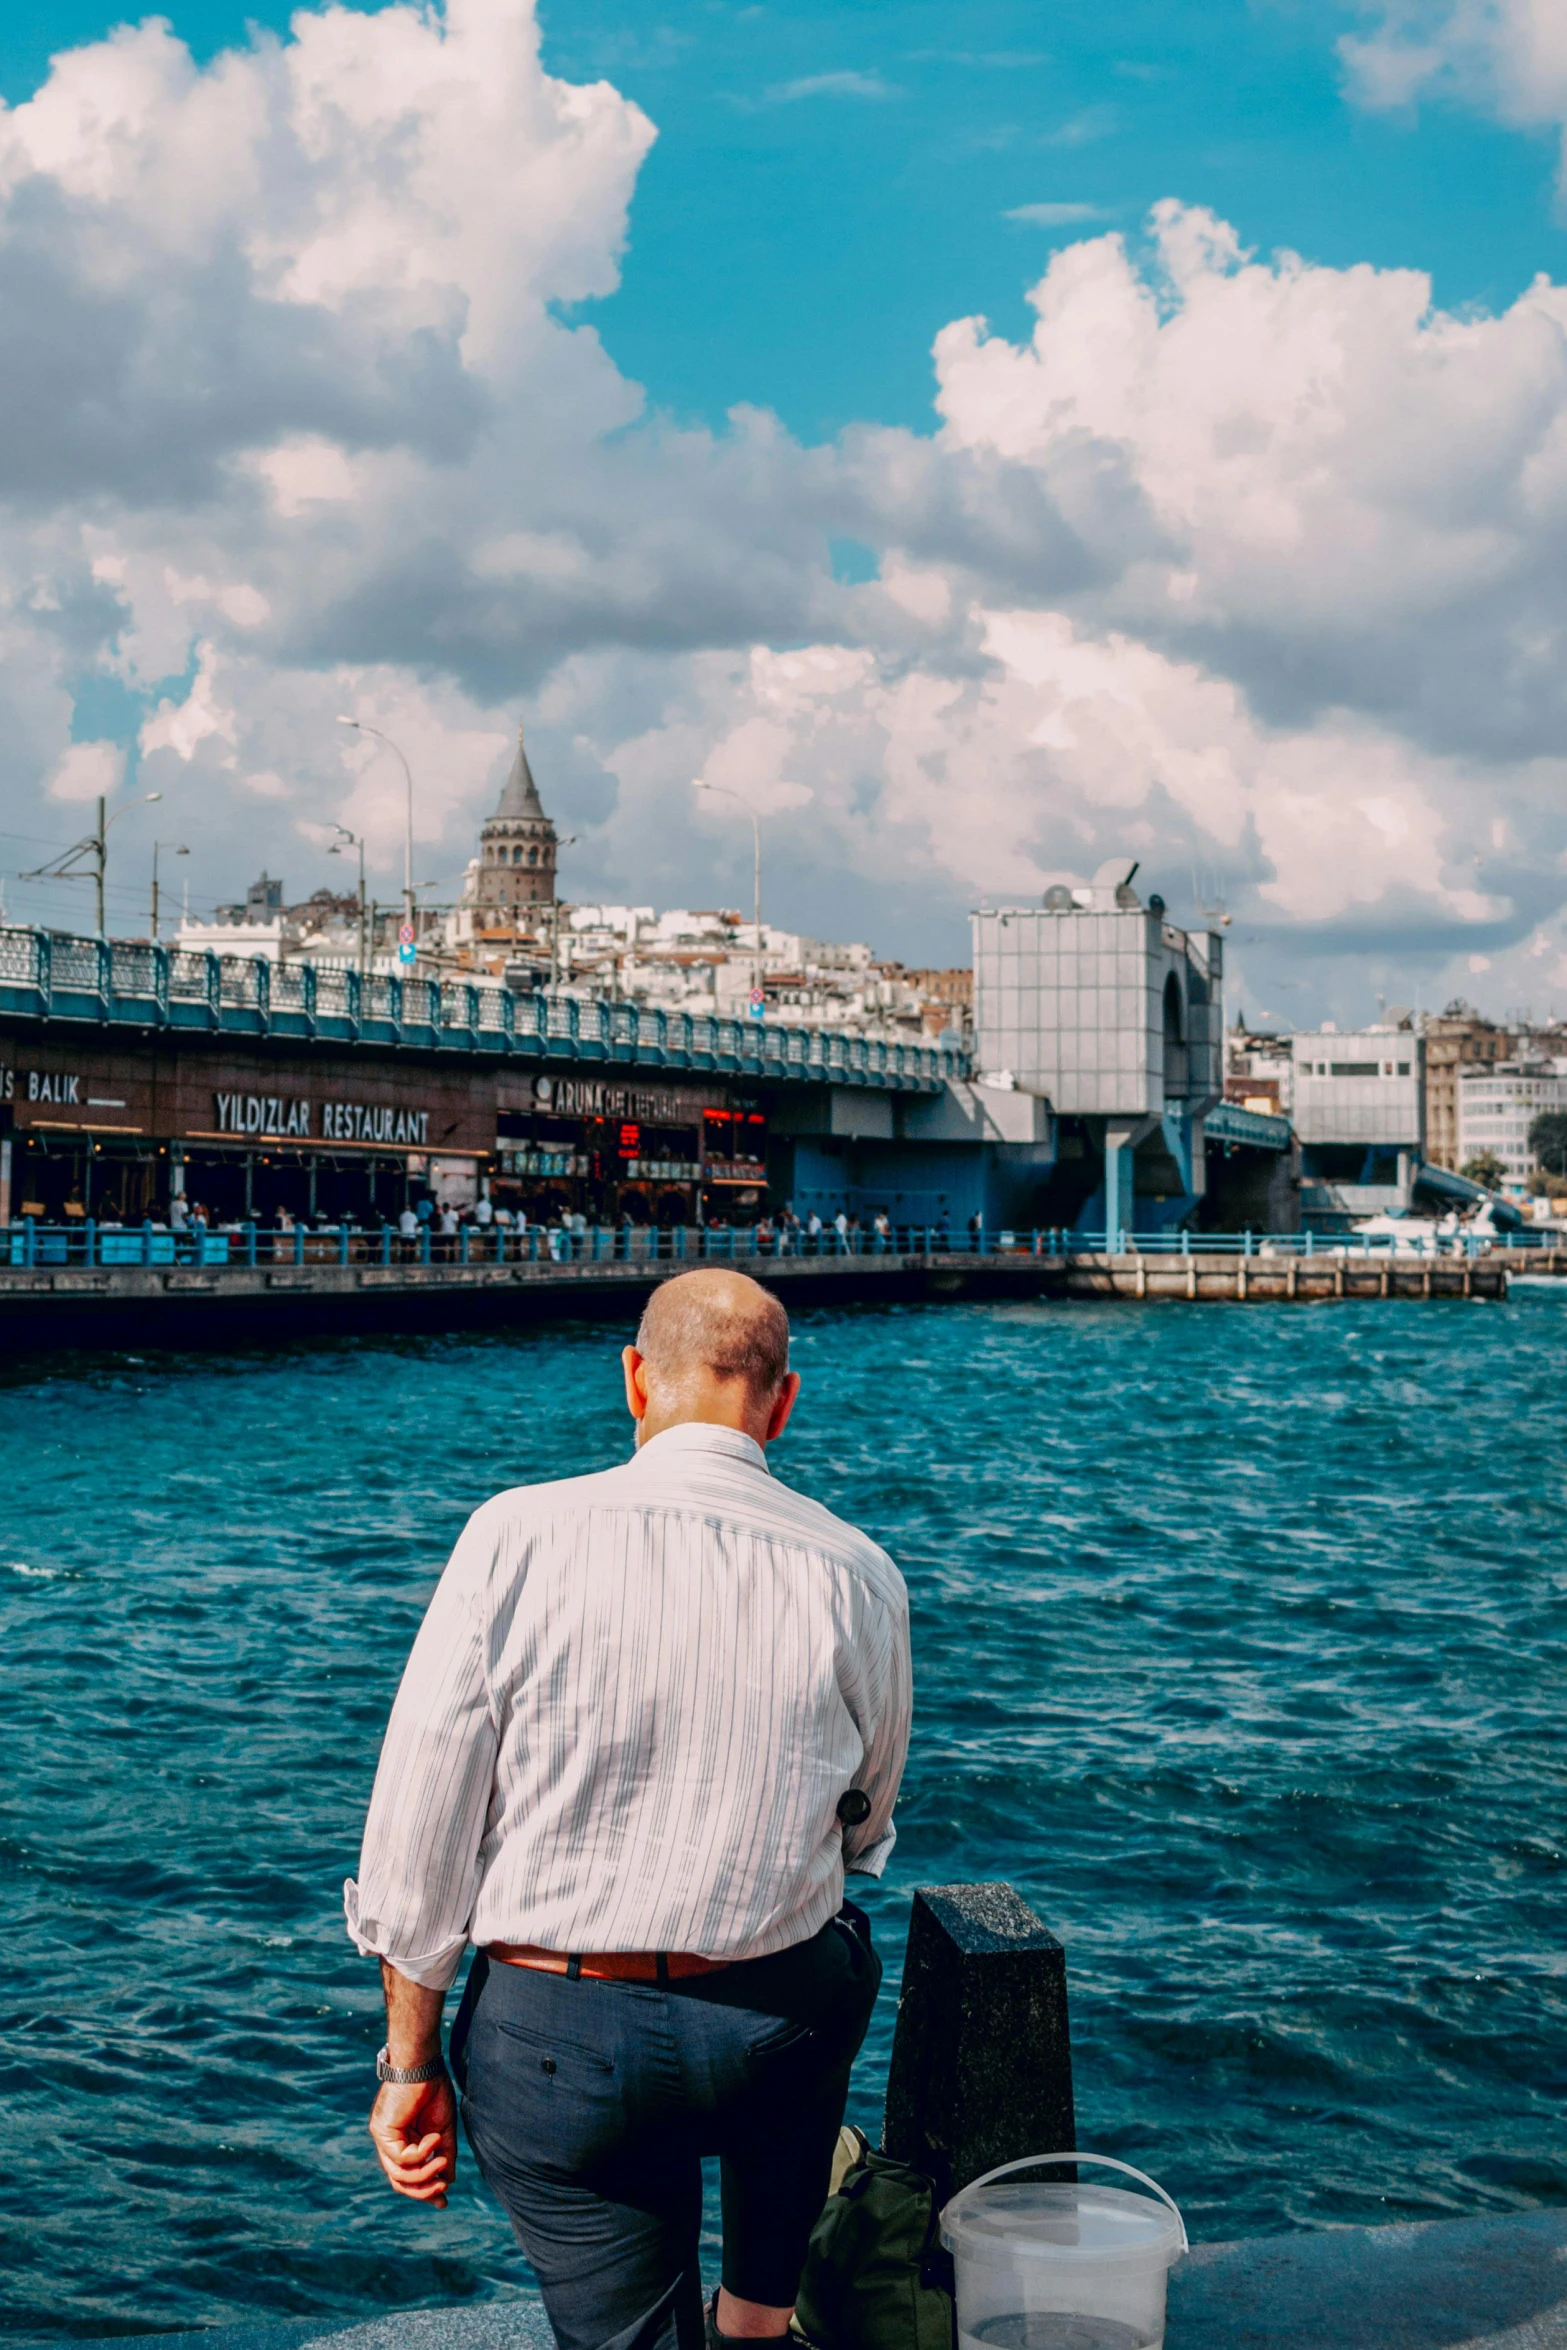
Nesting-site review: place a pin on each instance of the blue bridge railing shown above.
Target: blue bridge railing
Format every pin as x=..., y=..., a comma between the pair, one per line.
x=53, y=975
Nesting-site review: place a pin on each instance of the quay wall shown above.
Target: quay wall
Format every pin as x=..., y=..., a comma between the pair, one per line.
x=1494, y=2281
x=179, y=1305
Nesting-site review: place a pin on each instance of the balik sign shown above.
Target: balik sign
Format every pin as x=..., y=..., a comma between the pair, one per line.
x=407, y=952
x=758, y=1004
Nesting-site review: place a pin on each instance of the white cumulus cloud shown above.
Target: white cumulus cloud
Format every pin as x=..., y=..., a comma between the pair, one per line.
x=1509, y=56
x=1064, y=215
x=87, y=771
x=1246, y=565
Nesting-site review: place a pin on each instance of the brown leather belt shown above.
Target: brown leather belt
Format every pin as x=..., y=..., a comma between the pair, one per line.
x=608, y=1966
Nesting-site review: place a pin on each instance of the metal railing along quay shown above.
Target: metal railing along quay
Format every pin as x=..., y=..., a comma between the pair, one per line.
x=28, y=1244
x=55, y=976
x=111, y=1284
x=1371, y=1245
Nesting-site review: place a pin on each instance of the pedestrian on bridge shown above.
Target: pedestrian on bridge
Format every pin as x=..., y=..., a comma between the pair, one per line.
x=651, y=1718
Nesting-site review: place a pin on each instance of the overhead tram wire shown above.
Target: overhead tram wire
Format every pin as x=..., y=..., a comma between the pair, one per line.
x=128, y=902
x=34, y=840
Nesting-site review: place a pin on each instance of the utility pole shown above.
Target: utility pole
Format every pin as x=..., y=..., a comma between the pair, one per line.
x=355, y=840
x=362, y=726
x=180, y=850
x=101, y=844
x=69, y=866
x=700, y=783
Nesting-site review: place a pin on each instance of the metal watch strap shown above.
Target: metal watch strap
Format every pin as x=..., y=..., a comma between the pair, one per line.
x=404, y=2076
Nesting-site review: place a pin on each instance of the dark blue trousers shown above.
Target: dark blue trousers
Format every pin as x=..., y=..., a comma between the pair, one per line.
x=589, y=2107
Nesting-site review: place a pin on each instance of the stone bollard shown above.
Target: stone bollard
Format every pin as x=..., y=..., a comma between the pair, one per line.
x=981, y=2058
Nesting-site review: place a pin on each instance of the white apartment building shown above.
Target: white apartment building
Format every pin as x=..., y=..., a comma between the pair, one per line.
x=707, y=961
x=1496, y=1107
x=295, y=936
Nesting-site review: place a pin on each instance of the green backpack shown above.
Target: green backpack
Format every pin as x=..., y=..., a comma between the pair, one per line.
x=876, y=2274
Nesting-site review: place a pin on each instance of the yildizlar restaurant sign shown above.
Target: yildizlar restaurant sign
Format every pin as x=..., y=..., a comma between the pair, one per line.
x=275, y=1117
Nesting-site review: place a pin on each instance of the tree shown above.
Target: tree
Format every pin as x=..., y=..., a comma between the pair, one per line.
x=1485, y=1167
x=1548, y=1141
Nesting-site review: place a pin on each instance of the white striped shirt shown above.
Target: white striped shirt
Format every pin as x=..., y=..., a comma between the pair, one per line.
x=629, y=1716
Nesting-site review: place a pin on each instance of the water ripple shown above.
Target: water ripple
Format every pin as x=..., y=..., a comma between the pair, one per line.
x=1240, y=1649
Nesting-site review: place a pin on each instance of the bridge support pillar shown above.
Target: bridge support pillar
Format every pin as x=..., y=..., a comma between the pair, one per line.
x=1122, y=1136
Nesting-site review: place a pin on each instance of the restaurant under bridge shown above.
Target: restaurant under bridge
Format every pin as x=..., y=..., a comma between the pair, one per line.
x=133, y=1075
x=139, y=1083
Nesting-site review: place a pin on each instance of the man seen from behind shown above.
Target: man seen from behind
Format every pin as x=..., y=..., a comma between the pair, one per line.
x=650, y=1719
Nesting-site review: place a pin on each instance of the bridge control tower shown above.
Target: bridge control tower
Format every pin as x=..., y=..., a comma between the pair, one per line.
x=1095, y=1002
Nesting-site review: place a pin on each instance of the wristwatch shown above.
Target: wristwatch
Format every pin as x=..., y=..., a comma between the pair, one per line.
x=403, y=2076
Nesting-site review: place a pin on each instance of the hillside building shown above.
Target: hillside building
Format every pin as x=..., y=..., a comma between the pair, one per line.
x=1259, y=1071
x=1456, y=1039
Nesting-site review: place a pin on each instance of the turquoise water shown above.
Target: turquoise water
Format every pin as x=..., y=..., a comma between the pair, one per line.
x=1240, y=1644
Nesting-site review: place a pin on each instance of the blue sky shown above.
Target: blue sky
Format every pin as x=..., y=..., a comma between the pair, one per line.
x=388, y=373
x=833, y=178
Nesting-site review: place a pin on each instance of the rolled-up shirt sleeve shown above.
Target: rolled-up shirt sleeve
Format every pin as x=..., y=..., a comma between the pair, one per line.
x=419, y=1865
x=881, y=1698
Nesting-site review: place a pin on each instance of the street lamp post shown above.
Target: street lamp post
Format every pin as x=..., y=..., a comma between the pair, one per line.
x=354, y=840
x=180, y=850
x=362, y=726
x=700, y=783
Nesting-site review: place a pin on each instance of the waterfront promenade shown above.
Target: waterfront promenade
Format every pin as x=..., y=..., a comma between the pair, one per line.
x=75, y=1285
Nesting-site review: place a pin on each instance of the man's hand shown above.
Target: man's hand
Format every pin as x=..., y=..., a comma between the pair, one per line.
x=415, y=2133
x=414, y=2123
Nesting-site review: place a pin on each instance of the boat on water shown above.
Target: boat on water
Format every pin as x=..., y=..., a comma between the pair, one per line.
x=1451, y=1235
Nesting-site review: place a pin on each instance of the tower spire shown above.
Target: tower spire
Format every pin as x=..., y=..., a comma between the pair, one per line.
x=520, y=794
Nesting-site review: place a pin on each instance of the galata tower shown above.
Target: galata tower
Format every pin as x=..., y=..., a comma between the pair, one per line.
x=516, y=854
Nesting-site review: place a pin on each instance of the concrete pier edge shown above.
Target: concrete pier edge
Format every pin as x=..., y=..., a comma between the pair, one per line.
x=1497, y=2282
x=134, y=1305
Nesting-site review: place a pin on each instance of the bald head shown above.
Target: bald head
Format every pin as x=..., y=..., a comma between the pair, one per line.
x=719, y=1324
x=712, y=1346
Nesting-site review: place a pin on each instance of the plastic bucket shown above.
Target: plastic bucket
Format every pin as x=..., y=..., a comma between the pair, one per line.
x=1061, y=2268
